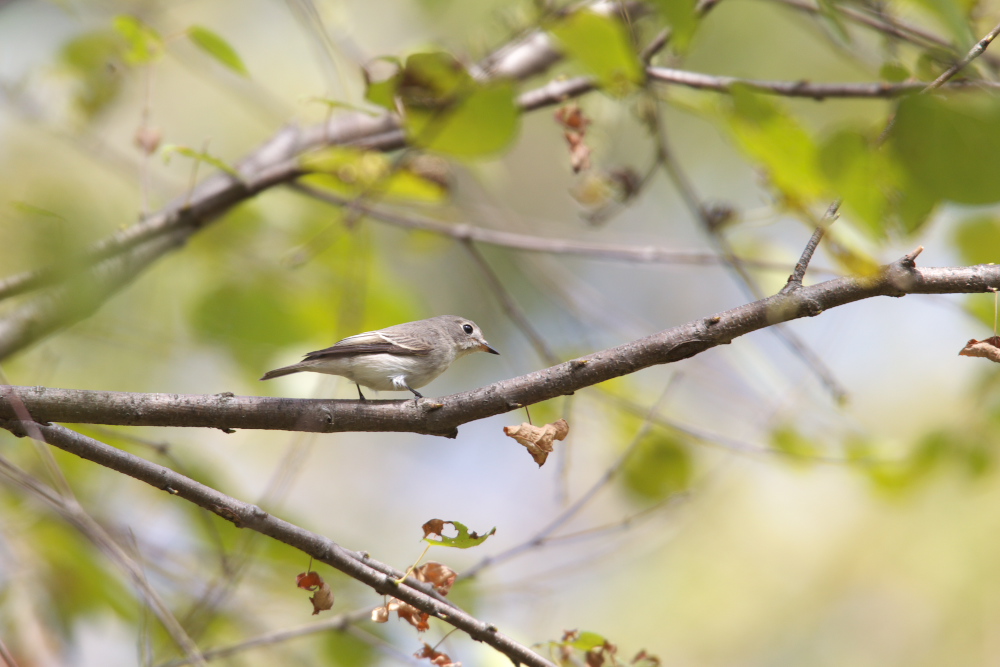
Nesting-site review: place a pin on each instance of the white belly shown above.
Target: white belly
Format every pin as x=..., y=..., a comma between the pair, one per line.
x=378, y=371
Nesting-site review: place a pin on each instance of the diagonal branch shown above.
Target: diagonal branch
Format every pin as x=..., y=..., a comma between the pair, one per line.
x=361, y=567
x=443, y=416
x=976, y=51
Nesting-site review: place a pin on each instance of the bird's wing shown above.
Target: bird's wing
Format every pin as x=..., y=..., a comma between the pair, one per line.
x=371, y=342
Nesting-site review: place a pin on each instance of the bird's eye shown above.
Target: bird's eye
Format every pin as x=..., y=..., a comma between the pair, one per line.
x=467, y=328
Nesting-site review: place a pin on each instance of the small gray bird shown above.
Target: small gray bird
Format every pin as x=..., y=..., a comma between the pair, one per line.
x=405, y=356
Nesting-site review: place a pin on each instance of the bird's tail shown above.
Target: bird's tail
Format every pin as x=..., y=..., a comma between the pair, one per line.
x=279, y=372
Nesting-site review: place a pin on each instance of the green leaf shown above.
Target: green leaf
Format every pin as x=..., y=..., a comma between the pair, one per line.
x=682, y=17
x=482, y=122
x=202, y=156
x=89, y=59
x=464, y=540
x=894, y=72
x=212, y=44
x=660, y=466
x=772, y=137
x=978, y=239
x=144, y=45
x=602, y=46
x=382, y=89
x=953, y=15
x=858, y=173
x=252, y=319
x=585, y=641
x=27, y=209
x=344, y=650
x=352, y=172
x=337, y=104
x=787, y=440
x=949, y=146
x=433, y=80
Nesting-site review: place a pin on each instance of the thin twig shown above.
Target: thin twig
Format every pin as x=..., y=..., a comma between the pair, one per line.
x=75, y=515
x=339, y=622
x=712, y=225
x=973, y=53
x=528, y=243
x=795, y=280
x=567, y=514
x=510, y=306
x=804, y=89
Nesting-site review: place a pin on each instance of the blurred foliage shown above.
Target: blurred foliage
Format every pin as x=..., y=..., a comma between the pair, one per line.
x=661, y=466
x=601, y=45
x=218, y=48
x=446, y=110
x=954, y=161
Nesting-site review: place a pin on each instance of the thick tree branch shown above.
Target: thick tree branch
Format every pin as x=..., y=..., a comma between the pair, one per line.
x=443, y=416
x=359, y=566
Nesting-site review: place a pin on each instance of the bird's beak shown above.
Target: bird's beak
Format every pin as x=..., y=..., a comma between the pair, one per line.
x=486, y=347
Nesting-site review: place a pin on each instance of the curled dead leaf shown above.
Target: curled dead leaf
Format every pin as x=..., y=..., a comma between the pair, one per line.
x=322, y=598
x=538, y=440
x=988, y=348
x=436, y=657
x=574, y=124
x=438, y=575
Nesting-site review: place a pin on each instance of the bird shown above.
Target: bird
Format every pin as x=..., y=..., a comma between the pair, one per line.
x=402, y=357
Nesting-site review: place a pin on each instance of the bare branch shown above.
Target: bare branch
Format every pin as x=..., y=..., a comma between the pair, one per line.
x=795, y=280
x=974, y=53
x=807, y=89
x=443, y=416
x=368, y=571
x=74, y=514
x=889, y=26
x=339, y=622
x=526, y=242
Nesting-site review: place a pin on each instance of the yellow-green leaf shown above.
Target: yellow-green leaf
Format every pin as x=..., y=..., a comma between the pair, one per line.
x=352, y=172
x=602, y=46
x=88, y=58
x=949, y=146
x=978, y=239
x=202, y=156
x=381, y=86
x=212, y=44
x=465, y=539
x=143, y=43
x=775, y=139
x=483, y=121
x=660, y=466
x=860, y=175
x=682, y=17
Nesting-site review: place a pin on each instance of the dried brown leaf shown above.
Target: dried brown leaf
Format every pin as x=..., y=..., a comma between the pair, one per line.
x=434, y=527
x=440, y=576
x=574, y=124
x=322, y=598
x=436, y=657
x=988, y=348
x=538, y=439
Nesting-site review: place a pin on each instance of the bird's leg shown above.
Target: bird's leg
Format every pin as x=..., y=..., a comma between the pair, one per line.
x=415, y=392
x=360, y=395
